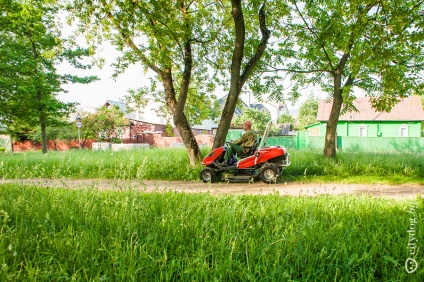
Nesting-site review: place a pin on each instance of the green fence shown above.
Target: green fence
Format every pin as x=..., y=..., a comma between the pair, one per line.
x=234, y=134
x=371, y=144
x=381, y=144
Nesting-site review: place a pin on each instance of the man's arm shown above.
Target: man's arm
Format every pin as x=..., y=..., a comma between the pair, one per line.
x=240, y=140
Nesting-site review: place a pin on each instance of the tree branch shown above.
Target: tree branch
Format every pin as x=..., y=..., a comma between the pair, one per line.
x=129, y=41
x=260, y=50
x=298, y=71
x=316, y=36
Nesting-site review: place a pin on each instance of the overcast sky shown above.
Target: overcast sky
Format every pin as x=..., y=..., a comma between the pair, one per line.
x=107, y=88
x=95, y=94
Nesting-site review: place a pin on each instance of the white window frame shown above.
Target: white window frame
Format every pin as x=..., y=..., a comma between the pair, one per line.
x=362, y=127
x=403, y=127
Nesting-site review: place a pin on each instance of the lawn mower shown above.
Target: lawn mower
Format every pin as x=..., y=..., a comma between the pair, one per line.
x=262, y=162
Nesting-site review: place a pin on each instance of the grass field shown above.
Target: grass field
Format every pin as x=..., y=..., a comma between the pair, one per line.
x=173, y=164
x=88, y=235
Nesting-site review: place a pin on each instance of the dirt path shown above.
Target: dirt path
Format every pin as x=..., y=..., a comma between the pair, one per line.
x=294, y=188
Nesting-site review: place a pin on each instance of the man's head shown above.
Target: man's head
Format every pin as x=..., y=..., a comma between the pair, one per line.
x=247, y=125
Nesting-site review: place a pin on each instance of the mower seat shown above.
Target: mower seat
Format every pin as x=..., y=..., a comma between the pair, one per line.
x=251, y=151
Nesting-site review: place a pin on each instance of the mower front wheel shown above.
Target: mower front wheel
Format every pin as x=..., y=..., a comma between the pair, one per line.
x=269, y=173
x=207, y=175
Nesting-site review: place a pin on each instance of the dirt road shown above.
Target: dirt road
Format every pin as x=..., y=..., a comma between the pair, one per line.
x=258, y=188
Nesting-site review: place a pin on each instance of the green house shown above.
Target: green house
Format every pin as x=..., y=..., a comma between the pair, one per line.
x=404, y=120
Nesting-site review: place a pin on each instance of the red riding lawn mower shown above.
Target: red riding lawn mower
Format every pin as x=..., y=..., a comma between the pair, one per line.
x=262, y=162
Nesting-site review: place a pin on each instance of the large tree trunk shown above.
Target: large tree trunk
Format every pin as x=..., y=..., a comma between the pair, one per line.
x=234, y=93
x=39, y=97
x=330, y=135
x=177, y=107
x=182, y=125
x=190, y=142
x=238, y=79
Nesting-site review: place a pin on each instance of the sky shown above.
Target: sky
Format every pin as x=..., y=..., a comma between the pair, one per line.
x=95, y=94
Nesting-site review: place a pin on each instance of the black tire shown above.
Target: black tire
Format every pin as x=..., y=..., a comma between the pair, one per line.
x=269, y=173
x=207, y=175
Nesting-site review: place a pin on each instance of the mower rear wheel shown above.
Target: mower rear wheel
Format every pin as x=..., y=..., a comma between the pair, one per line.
x=207, y=175
x=269, y=173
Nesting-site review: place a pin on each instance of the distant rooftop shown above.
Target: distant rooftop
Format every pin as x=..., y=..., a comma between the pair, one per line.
x=408, y=109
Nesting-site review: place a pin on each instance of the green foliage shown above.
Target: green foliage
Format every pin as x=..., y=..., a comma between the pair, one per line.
x=107, y=122
x=258, y=118
x=59, y=130
x=372, y=46
x=174, y=40
x=285, y=118
x=422, y=124
x=133, y=236
x=2, y=150
x=168, y=129
x=30, y=48
x=375, y=45
x=307, y=113
x=115, y=140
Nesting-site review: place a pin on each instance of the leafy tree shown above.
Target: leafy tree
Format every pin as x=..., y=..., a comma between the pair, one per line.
x=30, y=46
x=307, y=113
x=375, y=46
x=166, y=37
x=258, y=118
x=285, y=118
x=105, y=123
x=58, y=130
x=186, y=44
x=249, y=56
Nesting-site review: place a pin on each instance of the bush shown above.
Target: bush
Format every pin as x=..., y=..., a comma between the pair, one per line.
x=115, y=140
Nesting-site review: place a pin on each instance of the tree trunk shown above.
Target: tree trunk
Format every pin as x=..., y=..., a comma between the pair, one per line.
x=39, y=98
x=330, y=135
x=234, y=93
x=180, y=119
x=43, y=134
x=238, y=79
x=190, y=142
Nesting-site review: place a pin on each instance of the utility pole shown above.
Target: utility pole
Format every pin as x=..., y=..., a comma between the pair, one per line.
x=79, y=125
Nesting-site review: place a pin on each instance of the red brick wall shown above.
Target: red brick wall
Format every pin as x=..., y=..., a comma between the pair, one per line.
x=61, y=145
x=154, y=139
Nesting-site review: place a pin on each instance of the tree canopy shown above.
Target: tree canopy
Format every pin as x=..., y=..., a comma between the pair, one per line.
x=307, y=113
x=30, y=47
x=105, y=123
x=188, y=48
x=374, y=46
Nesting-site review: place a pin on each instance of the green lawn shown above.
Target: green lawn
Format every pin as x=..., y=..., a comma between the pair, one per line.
x=74, y=235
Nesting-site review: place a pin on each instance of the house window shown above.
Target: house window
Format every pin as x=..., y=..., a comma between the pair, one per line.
x=314, y=132
x=403, y=131
x=362, y=131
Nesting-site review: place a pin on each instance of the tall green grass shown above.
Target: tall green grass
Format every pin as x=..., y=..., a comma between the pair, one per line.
x=87, y=235
x=167, y=164
x=173, y=164
x=364, y=167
